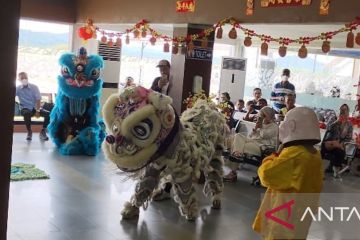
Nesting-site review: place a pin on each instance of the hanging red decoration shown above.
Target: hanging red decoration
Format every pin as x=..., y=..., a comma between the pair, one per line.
x=357, y=39
x=233, y=33
x=110, y=43
x=219, y=33
x=143, y=33
x=249, y=7
x=127, y=39
x=84, y=34
x=191, y=46
x=175, y=49
x=303, y=52
x=153, y=40
x=282, y=51
x=136, y=33
x=118, y=42
x=247, y=41
x=350, y=39
x=103, y=39
x=166, y=47
x=204, y=43
x=325, y=46
x=264, y=49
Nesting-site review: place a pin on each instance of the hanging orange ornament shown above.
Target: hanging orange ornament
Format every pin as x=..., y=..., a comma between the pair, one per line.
x=204, y=43
x=118, y=42
x=282, y=51
x=110, y=43
x=350, y=40
x=166, y=47
x=303, y=52
x=175, y=49
x=136, y=33
x=143, y=33
x=103, y=39
x=247, y=41
x=357, y=39
x=233, y=33
x=219, y=33
x=264, y=49
x=325, y=46
x=127, y=39
x=153, y=40
x=191, y=46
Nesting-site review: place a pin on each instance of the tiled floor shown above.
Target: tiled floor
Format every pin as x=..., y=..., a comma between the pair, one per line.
x=84, y=197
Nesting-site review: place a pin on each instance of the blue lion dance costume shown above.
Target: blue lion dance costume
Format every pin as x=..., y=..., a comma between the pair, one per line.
x=75, y=126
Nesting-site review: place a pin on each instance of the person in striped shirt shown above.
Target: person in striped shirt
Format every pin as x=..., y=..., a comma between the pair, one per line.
x=281, y=89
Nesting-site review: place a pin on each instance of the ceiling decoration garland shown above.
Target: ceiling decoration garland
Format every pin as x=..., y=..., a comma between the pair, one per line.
x=143, y=29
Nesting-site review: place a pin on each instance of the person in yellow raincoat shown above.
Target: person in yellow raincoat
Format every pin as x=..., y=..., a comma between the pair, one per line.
x=296, y=168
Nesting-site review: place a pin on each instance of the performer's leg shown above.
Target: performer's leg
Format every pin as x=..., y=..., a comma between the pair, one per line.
x=214, y=180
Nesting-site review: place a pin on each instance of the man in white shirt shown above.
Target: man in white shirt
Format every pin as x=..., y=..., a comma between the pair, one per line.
x=162, y=84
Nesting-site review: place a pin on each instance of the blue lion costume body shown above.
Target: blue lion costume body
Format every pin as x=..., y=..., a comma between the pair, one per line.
x=75, y=126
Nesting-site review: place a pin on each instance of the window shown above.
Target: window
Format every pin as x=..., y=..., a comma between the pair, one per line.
x=40, y=45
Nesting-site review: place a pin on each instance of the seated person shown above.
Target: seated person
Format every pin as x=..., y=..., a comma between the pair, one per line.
x=262, y=103
x=251, y=112
x=239, y=106
x=257, y=96
x=332, y=147
x=129, y=81
x=29, y=97
x=264, y=133
x=290, y=104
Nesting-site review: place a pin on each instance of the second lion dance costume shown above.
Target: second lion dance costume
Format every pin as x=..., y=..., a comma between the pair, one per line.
x=75, y=126
x=149, y=141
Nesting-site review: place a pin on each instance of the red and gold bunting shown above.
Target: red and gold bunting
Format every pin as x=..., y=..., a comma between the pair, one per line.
x=324, y=7
x=185, y=6
x=250, y=7
x=142, y=30
x=284, y=3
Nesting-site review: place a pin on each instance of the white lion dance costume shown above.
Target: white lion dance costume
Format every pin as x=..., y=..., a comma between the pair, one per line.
x=147, y=139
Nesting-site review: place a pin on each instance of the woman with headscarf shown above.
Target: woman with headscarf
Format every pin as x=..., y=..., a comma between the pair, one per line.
x=264, y=133
x=338, y=133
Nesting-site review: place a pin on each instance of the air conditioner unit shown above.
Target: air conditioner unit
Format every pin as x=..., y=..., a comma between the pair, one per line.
x=111, y=72
x=232, y=77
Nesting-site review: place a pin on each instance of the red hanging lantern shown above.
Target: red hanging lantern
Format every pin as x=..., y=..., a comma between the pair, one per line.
x=264, y=49
x=127, y=39
x=143, y=33
x=233, y=33
x=84, y=34
x=282, y=51
x=357, y=39
x=153, y=40
x=204, y=43
x=136, y=33
x=219, y=33
x=303, y=52
x=247, y=41
x=350, y=40
x=118, y=42
x=325, y=46
x=175, y=49
x=166, y=47
x=103, y=39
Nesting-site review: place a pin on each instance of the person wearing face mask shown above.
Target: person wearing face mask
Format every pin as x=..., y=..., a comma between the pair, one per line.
x=163, y=83
x=265, y=132
x=281, y=89
x=338, y=133
x=29, y=97
x=294, y=173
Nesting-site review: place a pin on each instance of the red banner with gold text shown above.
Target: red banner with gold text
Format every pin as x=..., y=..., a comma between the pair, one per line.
x=185, y=6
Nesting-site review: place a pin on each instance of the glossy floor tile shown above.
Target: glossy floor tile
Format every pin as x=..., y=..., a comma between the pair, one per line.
x=83, y=198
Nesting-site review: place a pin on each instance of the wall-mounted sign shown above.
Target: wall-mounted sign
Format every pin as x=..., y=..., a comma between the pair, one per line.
x=185, y=6
x=200, y=54
x=284, y=3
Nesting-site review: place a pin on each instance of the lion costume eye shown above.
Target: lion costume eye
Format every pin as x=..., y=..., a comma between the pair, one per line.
x=65, y=71
x=142, y=130
x=95, y=73
x=115, y=128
